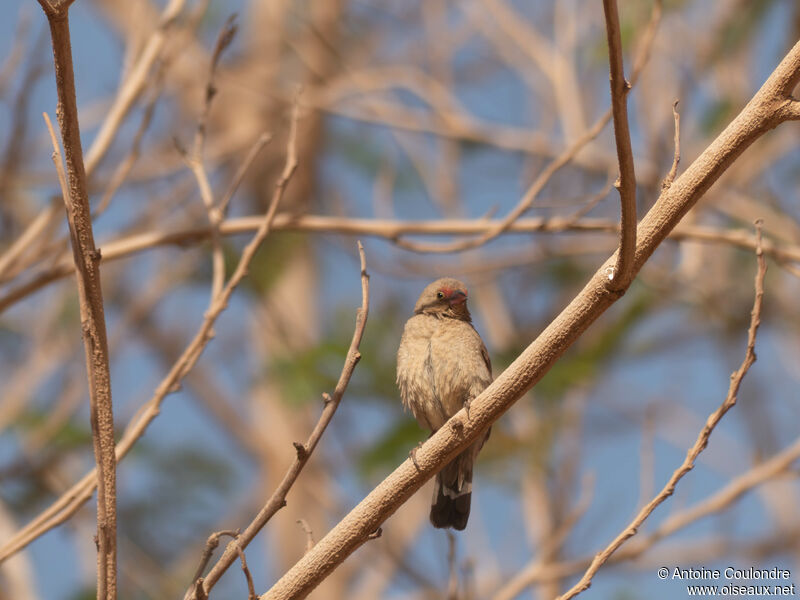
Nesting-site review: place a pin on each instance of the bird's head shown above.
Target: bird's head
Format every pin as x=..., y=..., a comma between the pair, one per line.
x=445, y=297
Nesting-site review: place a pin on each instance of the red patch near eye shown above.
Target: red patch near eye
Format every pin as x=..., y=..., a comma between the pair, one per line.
x=447, y=292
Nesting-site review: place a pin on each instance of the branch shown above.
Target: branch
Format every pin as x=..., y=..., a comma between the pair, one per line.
x=460, y=431
x=677, y=157
x=69, y=502
x=251, y=590
x=131, y=88
x=211, y=544
x=626, y=185
x=387, y=229
x=541, y=572
x=304, y=451
x=90, y=294
x=702, y=439
x=563, y=159
x=195, y=159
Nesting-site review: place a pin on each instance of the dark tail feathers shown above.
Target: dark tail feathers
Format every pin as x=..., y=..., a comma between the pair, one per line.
x=452, y=493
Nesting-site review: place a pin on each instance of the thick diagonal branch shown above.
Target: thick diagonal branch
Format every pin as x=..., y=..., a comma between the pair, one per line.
x=771, y=105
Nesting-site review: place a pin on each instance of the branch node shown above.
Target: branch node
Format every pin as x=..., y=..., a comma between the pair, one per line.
x=302, y=452
x=457, y=426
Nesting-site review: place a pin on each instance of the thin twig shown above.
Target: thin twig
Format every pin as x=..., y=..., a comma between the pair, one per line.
x=251, y=590
x=124, y=167
x=560, y=161
x=135, y=82
x=591, y=203
x=93, y=325
x=387, y=229
x=702, y=439
x=69, y=502
x=309, y=534
x=278, y=498
x=211, y=544
x=626, y=185
x=773, y=467
x=765, y=111
x=264, y=139
x=677, y=157
x=37, y=229
x=195, y=159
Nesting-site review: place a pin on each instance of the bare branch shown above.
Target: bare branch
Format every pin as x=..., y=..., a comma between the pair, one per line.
x=531, y=365
x=251, y=590
x=211, y=544
x=559, y=162
x=195, y=159
x=677, y=158
x=626, y=185
x=773, y=467
x=133, y=85
x=702, y=439
x=388, y=229
x=278, y=498
x=309, y=534
x=93, y=325
x=262, y=141
x=69, y=502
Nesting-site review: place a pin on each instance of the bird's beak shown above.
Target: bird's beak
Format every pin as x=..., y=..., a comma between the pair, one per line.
x=457, y=297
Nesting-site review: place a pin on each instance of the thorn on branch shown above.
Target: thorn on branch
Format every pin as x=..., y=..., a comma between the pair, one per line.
x=375, y=534
x=326, y=398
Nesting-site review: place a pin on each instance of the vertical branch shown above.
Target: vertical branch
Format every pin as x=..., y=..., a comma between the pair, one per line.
x=303, y=451
x=702, y=439
x=93, y=326
x=626, y=184
x=195, y=160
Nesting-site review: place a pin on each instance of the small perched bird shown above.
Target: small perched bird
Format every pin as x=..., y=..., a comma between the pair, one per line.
x=442, y=364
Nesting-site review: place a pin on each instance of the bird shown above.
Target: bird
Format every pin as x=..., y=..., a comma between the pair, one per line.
x=442, y=365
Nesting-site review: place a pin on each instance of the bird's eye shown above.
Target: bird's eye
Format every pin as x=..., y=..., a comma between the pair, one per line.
x=440, y=295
